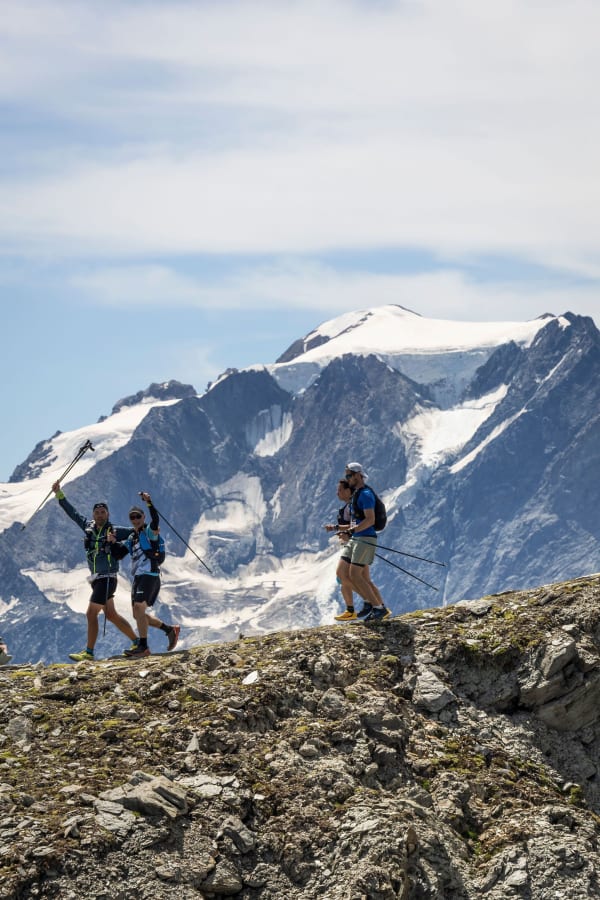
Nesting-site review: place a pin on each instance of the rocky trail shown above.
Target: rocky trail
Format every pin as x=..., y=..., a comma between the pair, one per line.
x=453, y=753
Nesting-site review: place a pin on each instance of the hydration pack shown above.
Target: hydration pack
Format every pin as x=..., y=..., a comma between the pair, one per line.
x=96, y=540
x=380, y=510
x=153, y=550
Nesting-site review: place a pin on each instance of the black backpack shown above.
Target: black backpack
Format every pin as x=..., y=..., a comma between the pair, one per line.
x=380, y=510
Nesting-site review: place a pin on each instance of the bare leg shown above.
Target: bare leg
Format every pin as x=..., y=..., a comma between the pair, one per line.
x=93, y=611
x=367, y=570
x=139, y=614
x=152, y=620
x=343, y=573
x=171, y=631
x=363, y=586
x=117, y=619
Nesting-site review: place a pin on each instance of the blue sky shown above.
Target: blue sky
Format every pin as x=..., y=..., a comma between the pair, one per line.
x=186, y=187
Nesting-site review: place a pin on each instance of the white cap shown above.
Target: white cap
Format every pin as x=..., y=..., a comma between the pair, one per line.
x=356, y=467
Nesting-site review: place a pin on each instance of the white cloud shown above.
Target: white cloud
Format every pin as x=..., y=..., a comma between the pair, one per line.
x=297, y=284
x=314, y=198
x=189, y=361
x=283, y=127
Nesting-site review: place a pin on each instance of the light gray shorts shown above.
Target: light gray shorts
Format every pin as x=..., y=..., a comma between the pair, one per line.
x=360, y=551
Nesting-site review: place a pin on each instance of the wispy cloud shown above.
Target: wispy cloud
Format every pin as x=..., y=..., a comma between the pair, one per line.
x=262, y=127
x=294, y=284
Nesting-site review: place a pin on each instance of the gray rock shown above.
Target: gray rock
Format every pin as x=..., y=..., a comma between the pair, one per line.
x=577, y=709
x=223, y=881
x=150, y=796
x=241, y=836
x=558, y=655
x=430, y=693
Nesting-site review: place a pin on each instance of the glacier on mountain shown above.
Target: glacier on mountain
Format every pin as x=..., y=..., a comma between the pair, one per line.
x=481, y=437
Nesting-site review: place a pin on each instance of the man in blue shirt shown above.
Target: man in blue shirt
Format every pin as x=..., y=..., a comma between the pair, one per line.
x=360, y=549
x=344, y=518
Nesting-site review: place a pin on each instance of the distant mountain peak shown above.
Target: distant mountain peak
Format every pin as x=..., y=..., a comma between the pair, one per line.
x=168, y=390
x=443, y=354
x=335, y=328
x=60, y=448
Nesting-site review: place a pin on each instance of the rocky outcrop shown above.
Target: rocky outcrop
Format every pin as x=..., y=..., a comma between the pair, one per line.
x=168, y=390
x=450, y=753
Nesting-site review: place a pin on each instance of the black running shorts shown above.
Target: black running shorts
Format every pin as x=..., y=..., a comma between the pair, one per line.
x=103, y=589
x=145, y=589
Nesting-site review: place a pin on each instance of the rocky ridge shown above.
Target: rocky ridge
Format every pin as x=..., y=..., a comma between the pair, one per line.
x=450, y=753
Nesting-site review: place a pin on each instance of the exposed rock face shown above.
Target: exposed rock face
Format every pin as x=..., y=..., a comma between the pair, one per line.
x=168, y=390
x=450, y=753
x=35, y=462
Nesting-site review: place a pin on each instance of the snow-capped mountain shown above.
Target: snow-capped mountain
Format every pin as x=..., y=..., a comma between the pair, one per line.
x=482, y=438
x=443, y=355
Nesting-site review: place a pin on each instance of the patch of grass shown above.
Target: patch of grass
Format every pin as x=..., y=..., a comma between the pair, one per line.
x=576, y=796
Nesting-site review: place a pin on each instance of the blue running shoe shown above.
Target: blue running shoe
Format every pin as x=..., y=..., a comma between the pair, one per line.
x=364, y=612
x=377, y=614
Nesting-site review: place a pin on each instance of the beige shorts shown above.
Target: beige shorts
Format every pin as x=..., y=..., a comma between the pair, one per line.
x=360, y=551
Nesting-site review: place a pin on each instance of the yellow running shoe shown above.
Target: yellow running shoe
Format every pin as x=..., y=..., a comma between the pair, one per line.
x=346, y=616
x=80, y=657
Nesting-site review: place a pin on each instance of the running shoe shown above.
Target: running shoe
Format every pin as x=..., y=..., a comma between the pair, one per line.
x=173, y=636
x=136, y=652
x=364, y=612
x=346, y=616
x=377, y=614
x=82, y=655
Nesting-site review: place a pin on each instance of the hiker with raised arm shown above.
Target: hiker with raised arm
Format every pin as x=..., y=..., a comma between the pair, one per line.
x=146, y=548
x=103, y=566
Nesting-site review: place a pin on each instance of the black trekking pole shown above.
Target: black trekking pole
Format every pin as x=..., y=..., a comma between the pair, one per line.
x=412, y=555
x=166, y=521
x=406, y=572
x=82, y=450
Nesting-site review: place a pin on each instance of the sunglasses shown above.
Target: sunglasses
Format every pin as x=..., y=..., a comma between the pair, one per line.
x=350, y=474
x=135, y=516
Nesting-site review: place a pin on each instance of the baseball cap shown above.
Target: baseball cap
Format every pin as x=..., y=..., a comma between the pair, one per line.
x=356, y=467
x=100, y=505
